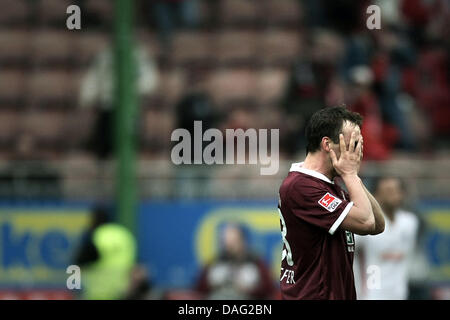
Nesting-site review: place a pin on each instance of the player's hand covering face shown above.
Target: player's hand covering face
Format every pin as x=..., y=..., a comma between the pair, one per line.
x=347, y=158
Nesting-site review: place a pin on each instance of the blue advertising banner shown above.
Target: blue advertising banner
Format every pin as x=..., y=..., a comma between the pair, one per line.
x=177, y=239
x=37, y=244
x=436, y=242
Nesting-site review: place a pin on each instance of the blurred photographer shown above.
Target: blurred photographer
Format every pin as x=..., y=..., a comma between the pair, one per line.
x=236, y=273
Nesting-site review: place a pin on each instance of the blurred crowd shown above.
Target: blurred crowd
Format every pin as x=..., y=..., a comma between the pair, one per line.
x=235, y=63
x=230, y=63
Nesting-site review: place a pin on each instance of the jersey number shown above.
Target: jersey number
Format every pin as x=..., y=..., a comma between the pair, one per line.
x=287, y=253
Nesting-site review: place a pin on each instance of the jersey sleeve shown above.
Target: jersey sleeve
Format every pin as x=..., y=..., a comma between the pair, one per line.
x=319, y=206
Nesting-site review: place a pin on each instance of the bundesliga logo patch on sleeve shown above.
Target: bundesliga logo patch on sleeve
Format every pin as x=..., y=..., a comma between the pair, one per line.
x=330, y=202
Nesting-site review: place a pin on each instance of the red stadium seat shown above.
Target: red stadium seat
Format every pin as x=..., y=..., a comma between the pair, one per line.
x=12, y=86
x=53, y=88
x=9, y=125
x=280, y=48
x=171, y=85
x=47, y=126
x=52, y=12
x=270, y=85
x=103, y=8
x=232, y=84
x=240, y=12
x=156, y=128
x=14, y=12
x=192, y=47
x=15, y=47
x=149, y=41
x=52, y=48
x=88, y=45
x=236, y=48
x=284, y=12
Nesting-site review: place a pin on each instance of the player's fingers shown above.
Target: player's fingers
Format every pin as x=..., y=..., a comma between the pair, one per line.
x=358, y=147
x=351, y=146
x=333, y=157
x=342, y=145
x=362, y=147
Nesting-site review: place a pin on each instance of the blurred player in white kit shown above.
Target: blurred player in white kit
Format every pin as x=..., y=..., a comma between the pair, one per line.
x=389, y=253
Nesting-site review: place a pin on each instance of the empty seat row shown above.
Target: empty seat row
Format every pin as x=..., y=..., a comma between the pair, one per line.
x=48, y=48
x=229, y=12
x=49, y=12
x=49, y=88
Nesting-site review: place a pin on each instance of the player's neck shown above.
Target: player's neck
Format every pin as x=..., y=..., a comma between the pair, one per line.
x=318, y=162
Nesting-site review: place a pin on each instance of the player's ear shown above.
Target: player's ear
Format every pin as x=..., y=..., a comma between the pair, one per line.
x=326, y=144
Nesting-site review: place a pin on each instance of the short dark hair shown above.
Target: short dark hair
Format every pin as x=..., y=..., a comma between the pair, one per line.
x=328, y=122
x=377, y=180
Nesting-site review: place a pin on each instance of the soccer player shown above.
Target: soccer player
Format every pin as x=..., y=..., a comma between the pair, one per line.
x=318, y=218
x=390, y=253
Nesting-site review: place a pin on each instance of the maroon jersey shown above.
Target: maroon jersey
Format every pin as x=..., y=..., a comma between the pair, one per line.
x=317, y=255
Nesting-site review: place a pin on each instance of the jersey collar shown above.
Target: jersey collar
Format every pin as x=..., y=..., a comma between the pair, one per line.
x=298, y=167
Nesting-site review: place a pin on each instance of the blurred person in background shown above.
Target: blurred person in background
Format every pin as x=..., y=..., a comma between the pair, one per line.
x=393, y=54
x=170, y=15
x=106, y=258
x=87, y=252
x=380, y=137
x=236, y=273
x=194, y=105
x=312, y=84
x=140, y=285
x=97, y=91
x=29, y=176
x=391, y=251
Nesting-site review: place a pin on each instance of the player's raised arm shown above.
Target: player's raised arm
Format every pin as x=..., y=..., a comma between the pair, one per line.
x=378, y=213
x=360, y=219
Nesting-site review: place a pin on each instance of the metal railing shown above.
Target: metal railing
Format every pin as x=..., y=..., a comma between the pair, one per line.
x=160, y=179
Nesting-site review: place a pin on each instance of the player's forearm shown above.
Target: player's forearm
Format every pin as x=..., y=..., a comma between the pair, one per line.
x=377, y=211
x=358, y=196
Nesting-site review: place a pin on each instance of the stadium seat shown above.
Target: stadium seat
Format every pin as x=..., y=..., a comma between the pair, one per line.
x=12, y=87
x=171, y=85
x=156, y=128
x=282, y=13
x=52, y=12
x=47, y=126
x=9, y=126
x=149, y=41
x=52, y=49
x=14, y=12
x=87, y=46
x=236, y=48
x=279, y=47
x=191, y=47
x=54, y=88
x=232, y=84
x=103, y=9
x=79, y=126
x=14, y=48
x=240, y=12
x=270, y=85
